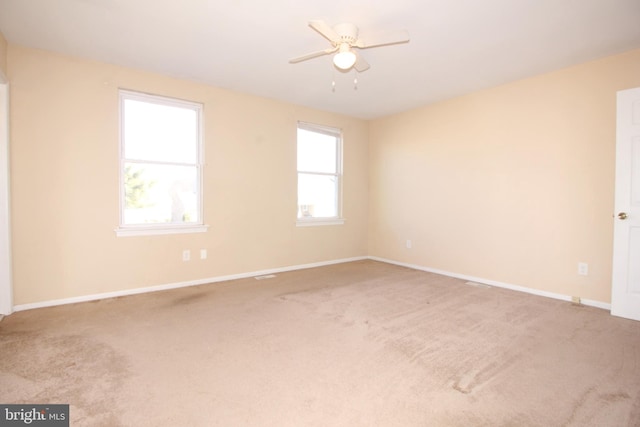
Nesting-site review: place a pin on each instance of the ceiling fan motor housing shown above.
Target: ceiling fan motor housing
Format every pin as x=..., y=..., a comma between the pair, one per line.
x=348, y=33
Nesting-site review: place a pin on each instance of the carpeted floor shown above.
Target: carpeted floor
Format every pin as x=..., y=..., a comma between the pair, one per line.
x=356, y=344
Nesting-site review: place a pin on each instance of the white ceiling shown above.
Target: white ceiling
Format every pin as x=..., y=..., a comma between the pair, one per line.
x=457, y=46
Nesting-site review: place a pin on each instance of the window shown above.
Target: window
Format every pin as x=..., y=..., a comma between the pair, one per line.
x=319, y=175
x=160, y=165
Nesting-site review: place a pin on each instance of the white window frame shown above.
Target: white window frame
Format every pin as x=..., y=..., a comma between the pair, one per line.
x=125, y=230
x=337, y=133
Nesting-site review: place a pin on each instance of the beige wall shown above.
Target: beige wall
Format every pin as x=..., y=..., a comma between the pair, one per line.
x=513, y=184
x=3, y=56
x=64, y=183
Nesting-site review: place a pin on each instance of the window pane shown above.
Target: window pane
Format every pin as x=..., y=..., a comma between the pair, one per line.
x=317, y=152
x=317, y=196
x=162, y=133
x=160, y=194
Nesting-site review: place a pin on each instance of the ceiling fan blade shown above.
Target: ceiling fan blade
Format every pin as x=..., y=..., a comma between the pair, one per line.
x=312, y=55
x=383, y=40
x=360, y=65
x=325, y=31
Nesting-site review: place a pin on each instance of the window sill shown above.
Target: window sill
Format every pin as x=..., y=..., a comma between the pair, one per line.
x=319, y=221
x=159, y=230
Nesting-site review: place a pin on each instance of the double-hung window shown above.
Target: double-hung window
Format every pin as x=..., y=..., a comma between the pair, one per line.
x=160, y=165
x=319, y=157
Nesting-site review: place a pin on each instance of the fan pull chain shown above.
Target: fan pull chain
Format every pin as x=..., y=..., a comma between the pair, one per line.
x=355, y=83
x=333, y=86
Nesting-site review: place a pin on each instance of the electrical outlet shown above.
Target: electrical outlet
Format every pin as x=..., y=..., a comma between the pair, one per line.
x=186, y=255
x=583, y=269
x=409, y=244
x=203, y=254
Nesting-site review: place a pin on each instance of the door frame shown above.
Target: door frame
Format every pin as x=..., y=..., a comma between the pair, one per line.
x=6, y=285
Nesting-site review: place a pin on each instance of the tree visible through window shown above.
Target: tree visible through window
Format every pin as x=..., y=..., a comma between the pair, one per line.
x=160, y=161
x=319, y=172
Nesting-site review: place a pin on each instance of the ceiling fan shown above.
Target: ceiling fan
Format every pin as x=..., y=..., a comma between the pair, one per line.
x=344, y=40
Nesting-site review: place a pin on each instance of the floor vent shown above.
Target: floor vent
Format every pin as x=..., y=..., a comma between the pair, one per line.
x=267, y=276
x=477, y=285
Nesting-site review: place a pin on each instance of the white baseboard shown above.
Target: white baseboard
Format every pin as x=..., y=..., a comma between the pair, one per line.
x=591, y=303
x=164, y=287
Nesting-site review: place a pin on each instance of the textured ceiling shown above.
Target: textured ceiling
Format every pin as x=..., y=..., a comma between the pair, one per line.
x=456, y=47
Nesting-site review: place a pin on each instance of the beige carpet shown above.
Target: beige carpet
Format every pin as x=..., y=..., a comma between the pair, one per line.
x=357, y=344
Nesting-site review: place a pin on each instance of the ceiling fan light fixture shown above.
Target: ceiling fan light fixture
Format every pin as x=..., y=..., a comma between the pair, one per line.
x=345, y=58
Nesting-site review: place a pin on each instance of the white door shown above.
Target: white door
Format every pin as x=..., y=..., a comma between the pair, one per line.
x=6, y=300
x=625, y=293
